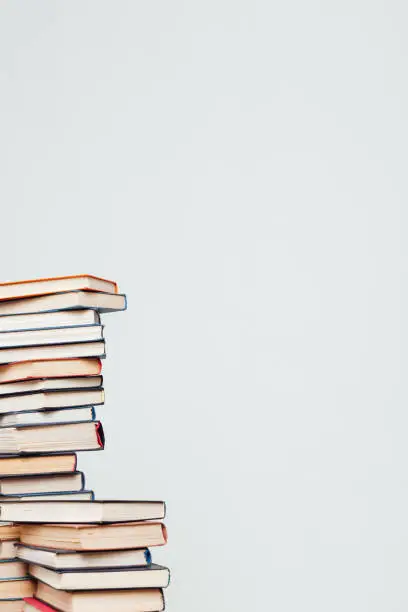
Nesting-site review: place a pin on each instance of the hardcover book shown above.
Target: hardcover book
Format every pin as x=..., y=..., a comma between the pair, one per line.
x=54, y=335
x=44, y=286
x=130, y=600
x=48, y=417
x=55, y=482
x=51, y=384
x=37, y=464
x=82, y=512
x=78, y=538
x=89, y=300
x=51, y=438
x=53, y=368
x=55, y=351
x=62, y=318
x=154, y=576
x=49, y=400
x=65, y=559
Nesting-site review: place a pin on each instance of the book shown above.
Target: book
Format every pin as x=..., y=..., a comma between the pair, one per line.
x=54, y=368
x=16, y=588
x=51, y=384
x=43, y=483
x=50, y=336
x=44, y=286
x=8, y=549
x=78, y=538
x=41, y=497
x=44, y=417
x=154, y=576
x=8, y=532
x=47, y=400
x=12, y=568
x=55, y=351
x=102, y=302
x=31, y=604
x=130, y=600
x=37, y=464
x=60, y=318
x=59, y=559
x=58, y=438
x=82, y=512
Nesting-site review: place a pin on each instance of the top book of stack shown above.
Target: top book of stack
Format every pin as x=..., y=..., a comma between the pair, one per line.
x=60, y=293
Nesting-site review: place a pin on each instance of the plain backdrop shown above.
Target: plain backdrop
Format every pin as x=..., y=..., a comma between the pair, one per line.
x=240, y=168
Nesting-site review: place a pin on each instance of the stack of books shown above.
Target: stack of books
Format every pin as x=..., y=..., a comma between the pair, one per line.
x=60, y=549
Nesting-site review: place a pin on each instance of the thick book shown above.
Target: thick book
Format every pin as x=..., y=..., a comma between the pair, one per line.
x=50, y=336
x=154, y=576
x=102, y=302
x=56, y=284
x=127, y=600
x=56, y=482
x=16, y=589
x=51, y=438
x=8, y=549
x=8, y=532
x=84, y=495
x=54, y=351
x=37, y=464
x=47, y=417
x=54, y=368
x=62, y=318
x=12, y=568
x=50, y=384
x=60, y=559
x=78, y=538
x=47, y=400
x=82, y=512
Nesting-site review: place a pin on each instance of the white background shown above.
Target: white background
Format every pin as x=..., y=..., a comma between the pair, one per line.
x=240, y=167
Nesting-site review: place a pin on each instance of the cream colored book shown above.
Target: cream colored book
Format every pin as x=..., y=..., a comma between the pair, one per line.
x=78, y=538
x=103, y=302
x=44, y=417
x=51, y=399
x=58, y=559
x=8, y=549
x=136, y=600
x=51, y=438
x=37, y=464
x=63, y=318
x=8, y=531
x=152, y=577
x=55, y=335
x=51, y=384
x=82, y=512
x=10, y=569
x=54, y=351
x=17, y=588
x=56, y=284
x=54, y=368
x=44, y=483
